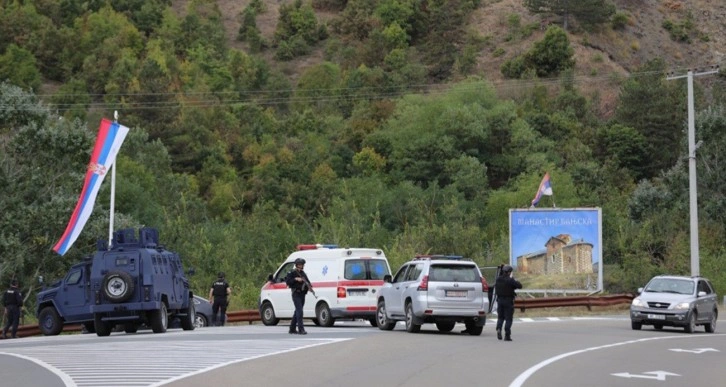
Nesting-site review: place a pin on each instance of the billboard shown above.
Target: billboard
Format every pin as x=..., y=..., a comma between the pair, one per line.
x=557, y=249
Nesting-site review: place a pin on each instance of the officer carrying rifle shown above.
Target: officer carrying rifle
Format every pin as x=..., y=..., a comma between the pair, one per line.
x=299, y=283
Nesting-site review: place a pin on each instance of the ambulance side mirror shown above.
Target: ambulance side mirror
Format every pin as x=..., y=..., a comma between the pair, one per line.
x=387, y=278
x=269, y=278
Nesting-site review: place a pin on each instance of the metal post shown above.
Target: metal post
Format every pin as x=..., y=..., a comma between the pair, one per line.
x=692, y=191
x=692, y=186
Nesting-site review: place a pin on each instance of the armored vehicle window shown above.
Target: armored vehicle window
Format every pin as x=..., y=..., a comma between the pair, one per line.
x=74, y=277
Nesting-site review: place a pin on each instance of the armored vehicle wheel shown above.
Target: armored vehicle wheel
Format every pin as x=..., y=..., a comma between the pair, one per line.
x=187, y=322
x=103, y=328
x=384, y=323
x=445, y=326
x=131, y=327
x=90, y=327
x=267, y=314
x=118, y=286
x=322, y=313
x=49, y=321
x=159, y=319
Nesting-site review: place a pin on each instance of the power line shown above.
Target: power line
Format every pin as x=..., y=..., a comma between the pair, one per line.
x=287, y=96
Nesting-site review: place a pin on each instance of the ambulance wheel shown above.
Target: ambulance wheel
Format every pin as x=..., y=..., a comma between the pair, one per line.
x=267, y=314
x=373, y=321
x=322, y=313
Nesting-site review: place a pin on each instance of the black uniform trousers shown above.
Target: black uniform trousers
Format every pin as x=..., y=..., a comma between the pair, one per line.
x=11, y=320
x=505, y=313
x=298, y=299
x=220, y=303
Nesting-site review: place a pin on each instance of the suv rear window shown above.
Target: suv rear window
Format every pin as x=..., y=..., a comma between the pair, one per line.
x=454, y=273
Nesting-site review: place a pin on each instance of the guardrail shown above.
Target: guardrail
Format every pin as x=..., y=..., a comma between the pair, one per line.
x=253, y=315
x=587, y=301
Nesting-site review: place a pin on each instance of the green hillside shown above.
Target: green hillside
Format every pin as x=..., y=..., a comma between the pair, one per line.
x=408, y=125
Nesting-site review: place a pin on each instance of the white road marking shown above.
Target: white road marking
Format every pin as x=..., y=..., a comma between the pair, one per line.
x=120, y=363
x=519, y=381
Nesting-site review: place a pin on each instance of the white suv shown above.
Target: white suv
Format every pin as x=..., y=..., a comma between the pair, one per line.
x=435, y=289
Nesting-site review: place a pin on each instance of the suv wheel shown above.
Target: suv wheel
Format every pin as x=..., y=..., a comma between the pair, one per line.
x=267, y=314
x=473, y=329
x=384, y=323
x=445, y=326
x=691, y=327
x=322, y=313
x=49, y=321
x=411, y=326
x=711, y=326
x=636, y=325
x=118, y=286
x=200, y=321
x=159, y=319
x=187, y=322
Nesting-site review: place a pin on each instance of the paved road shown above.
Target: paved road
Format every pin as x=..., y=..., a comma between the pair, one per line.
x=545, y=352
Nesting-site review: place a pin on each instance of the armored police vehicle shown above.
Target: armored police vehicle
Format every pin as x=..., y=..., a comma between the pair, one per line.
x=135, y=282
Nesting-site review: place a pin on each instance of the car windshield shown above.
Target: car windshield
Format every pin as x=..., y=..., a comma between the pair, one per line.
x=670, y=285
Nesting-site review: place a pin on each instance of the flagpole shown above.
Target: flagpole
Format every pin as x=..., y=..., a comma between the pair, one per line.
x=113, y=193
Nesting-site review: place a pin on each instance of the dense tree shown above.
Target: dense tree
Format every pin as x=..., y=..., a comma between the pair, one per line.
x=655, y=108
x=587, y=12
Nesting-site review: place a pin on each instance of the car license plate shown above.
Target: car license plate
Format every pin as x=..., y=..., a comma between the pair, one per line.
x=656, y=317
x=456, y=293
x=356, y=292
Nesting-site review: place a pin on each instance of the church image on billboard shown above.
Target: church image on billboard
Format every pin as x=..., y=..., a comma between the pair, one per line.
x=557, y=249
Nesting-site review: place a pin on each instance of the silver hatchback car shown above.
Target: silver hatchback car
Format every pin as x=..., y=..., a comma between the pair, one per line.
x=675, y=301
x=437, y=289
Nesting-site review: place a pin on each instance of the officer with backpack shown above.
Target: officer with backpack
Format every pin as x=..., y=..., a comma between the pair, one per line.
x=218, y=296
x=299, y=283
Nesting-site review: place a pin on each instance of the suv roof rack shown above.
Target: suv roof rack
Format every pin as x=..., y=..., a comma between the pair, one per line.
x=437, y=256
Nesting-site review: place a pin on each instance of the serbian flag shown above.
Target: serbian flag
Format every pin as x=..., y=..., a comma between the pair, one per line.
x=544, y=189
x=110, y=137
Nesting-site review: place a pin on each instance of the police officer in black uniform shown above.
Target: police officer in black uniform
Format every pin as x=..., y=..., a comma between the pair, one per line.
x=504, y=287
x=299, y=283
x=13, y=303
x=218, y=296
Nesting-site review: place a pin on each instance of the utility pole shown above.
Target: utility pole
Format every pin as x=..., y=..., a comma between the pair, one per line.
x=692, y=147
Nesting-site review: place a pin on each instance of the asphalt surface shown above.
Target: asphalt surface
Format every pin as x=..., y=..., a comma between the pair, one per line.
x=596, y=351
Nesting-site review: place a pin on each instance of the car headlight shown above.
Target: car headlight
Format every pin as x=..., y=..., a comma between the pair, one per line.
x=682, y=306
x=638, y=302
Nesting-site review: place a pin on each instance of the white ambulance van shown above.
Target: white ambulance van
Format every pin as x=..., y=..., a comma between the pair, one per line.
x=346, y=282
